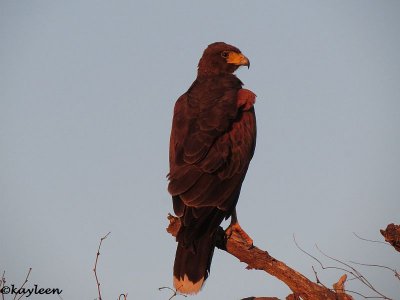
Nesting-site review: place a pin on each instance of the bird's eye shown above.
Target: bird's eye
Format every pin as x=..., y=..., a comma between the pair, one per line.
x=225, y=54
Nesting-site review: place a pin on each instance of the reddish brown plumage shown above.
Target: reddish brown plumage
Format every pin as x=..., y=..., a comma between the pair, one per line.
x=212, y=142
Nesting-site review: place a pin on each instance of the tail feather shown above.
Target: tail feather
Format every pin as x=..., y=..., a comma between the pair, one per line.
x=192, y=265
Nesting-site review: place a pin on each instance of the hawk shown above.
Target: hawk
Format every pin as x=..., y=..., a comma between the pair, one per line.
x=212, y=141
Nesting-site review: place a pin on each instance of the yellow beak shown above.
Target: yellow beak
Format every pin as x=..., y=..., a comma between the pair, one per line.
x=238, y=59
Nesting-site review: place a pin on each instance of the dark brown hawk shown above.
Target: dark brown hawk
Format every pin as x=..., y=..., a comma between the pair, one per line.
x=213, y=138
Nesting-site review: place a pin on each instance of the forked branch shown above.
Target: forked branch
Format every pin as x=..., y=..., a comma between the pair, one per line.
x=258, y=259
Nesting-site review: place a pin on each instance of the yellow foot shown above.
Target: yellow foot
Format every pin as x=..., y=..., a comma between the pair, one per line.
x=237, y=233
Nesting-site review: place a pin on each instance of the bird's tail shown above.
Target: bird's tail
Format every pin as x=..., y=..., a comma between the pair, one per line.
x=192, y=264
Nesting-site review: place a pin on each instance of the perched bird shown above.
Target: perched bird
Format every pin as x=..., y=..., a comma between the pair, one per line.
x=212, y=141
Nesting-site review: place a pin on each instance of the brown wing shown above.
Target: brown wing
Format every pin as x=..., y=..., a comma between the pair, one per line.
x=212, y=143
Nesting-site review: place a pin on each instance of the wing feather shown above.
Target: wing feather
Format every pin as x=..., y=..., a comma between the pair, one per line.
x=212, y=143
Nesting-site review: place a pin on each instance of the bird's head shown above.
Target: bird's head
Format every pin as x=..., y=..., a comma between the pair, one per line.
x=221, y=58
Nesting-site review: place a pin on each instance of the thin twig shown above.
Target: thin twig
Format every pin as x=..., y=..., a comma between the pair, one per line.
x=26, y=280
x=367, y=297
x=320, y=263
x=396, y=274
x=174, y=291
x=305, y=252
x=359, y=276
x=356, y=274
x=316, y=276
x=95, y=264
x=372, y=241
x=353, y=270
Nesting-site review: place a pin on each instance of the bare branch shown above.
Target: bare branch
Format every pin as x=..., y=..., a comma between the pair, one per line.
x=258, y=259
x=26, y=280
x=368, y=240
x=302, y=287
x=396, y=274
x=356, y=274
x=174, y=291
x=95, y=264
x=316, y=277
x=320, y=263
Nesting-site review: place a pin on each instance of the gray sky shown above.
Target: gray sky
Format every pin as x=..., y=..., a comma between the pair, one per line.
x=87, y=90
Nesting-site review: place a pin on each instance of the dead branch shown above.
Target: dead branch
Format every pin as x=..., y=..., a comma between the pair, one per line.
x=258, y=259
x=95, y=264
x=396, y=274
x=175, y=292
x=26, y=280
x=356, y=275
x=368, y=240
x=392, y=235
x=320, y=263
x=121, y=296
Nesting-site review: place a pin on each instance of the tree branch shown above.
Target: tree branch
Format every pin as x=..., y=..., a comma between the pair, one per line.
x=26, y=280
x=392, y=235
x=258, y=259
x=95, y=264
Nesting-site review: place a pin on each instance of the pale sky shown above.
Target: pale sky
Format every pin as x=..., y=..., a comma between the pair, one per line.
x=87, y=90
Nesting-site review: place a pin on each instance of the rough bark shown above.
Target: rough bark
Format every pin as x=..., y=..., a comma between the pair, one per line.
x=258, y=259
x=392, y=235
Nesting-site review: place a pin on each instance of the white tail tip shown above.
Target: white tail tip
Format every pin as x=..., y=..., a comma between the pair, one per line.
x=185, y=286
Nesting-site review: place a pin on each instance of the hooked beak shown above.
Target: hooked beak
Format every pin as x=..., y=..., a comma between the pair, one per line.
x=238, y=59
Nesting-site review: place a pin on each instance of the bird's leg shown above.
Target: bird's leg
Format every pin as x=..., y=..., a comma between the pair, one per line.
x=235, y=231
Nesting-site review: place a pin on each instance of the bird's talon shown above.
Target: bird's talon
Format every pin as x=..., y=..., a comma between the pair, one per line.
x=240, y=234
